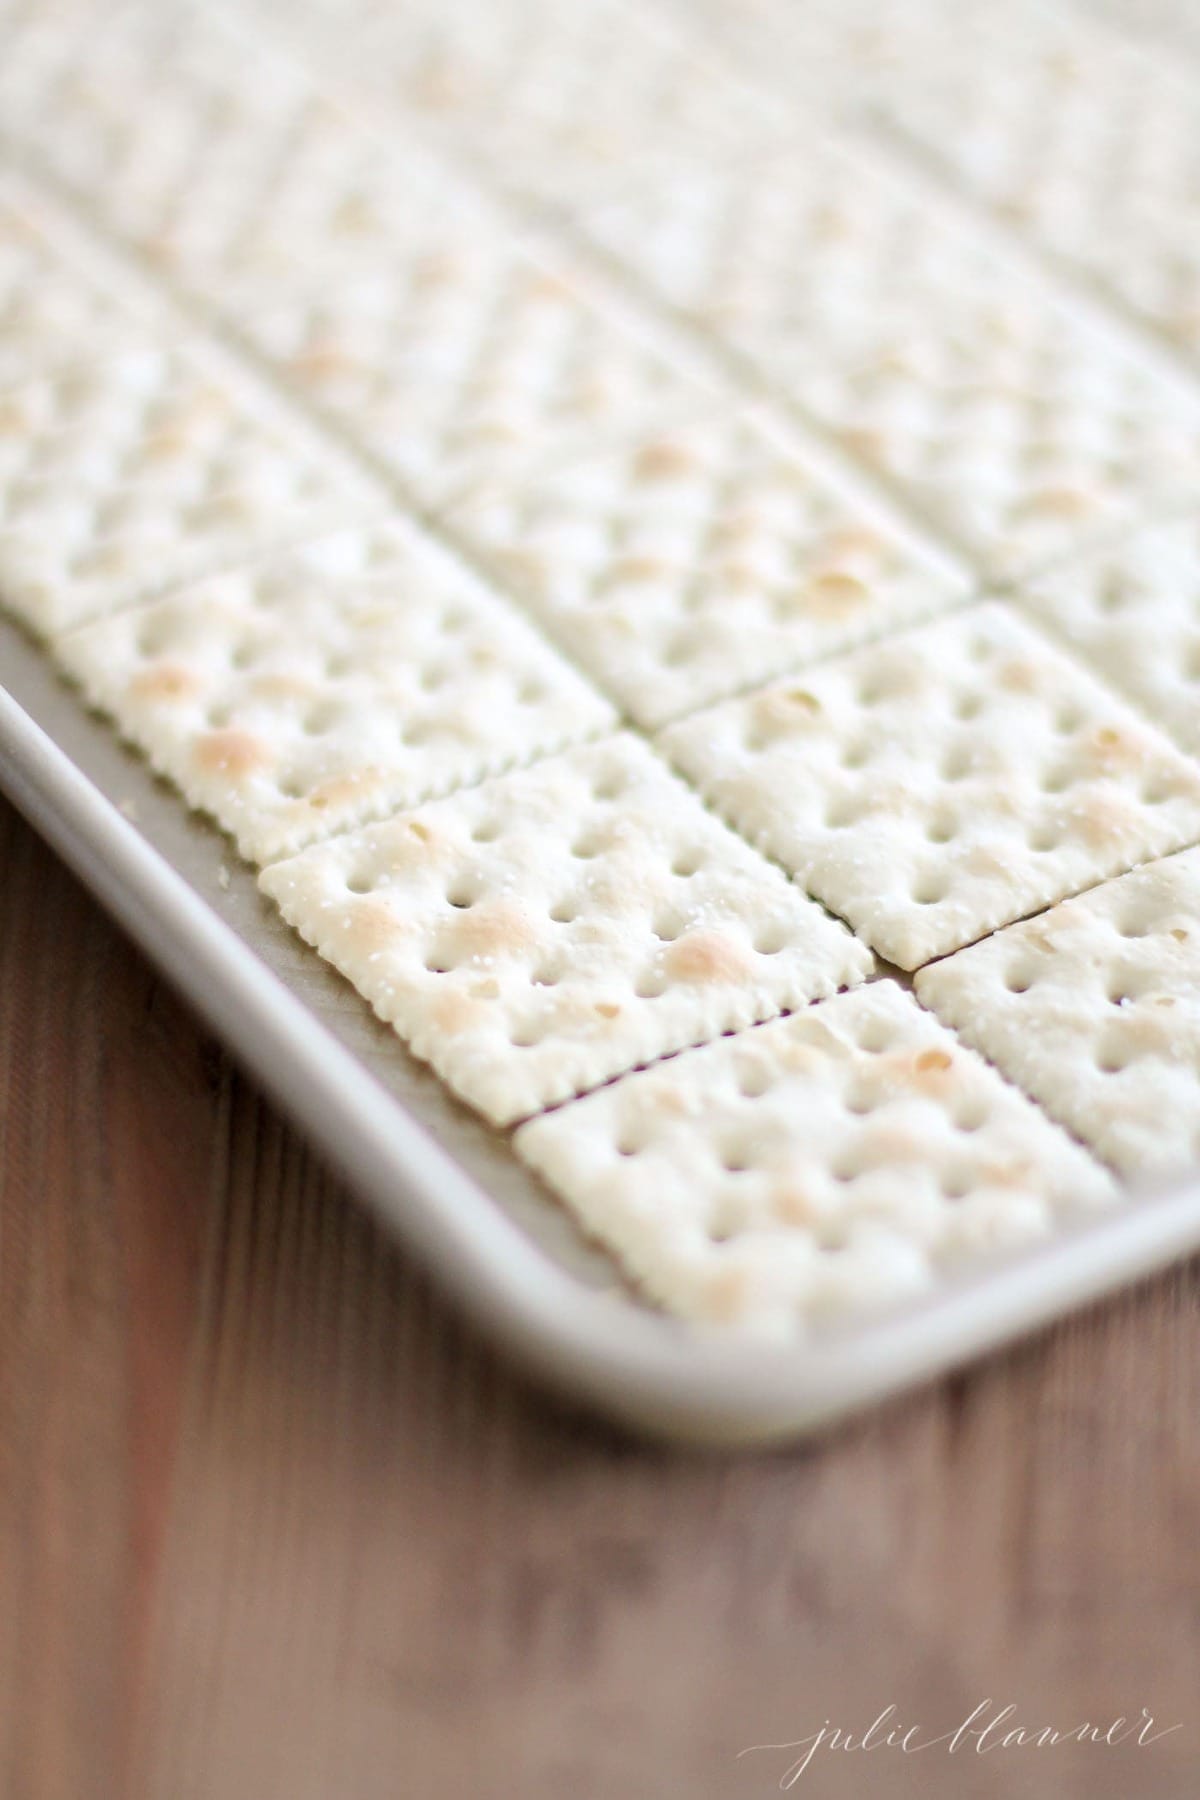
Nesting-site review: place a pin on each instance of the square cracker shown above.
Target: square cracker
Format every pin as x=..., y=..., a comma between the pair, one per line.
x=1008, y=416
x=943, y=782
x=467, y=356
x=1133, y=611
x=682, y=566
x=125, y=477
x=61, y=300
x=535, y=935
x=223, y=163
x=561, y=104
x=1094, y=1009
x=820, y=1166
x=1084, y=140
x=329, y=684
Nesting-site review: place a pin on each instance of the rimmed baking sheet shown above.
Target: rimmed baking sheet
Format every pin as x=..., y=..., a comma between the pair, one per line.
x=447, y=1185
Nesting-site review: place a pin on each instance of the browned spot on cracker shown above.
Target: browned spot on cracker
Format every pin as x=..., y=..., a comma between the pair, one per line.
x=236, y=754
x=356, y=215
x=163, y=681
x=662, y=462
x=1061, y=502
x=854, y=540
x=1019, y=675
x=871, y=445
x=498, y=928
x=705, y=956
x=321, y=362
x=1017, y=1172
x=371, y=927
x=437, y=270
x=739, y=577
x=726, y=1294
x=791, y=1204
x=280, y=687
x=889, y=1146
x=525, y=567
x=547, y=286
x=14, y=421
x=453, y=1014
x=639, y=568
x=344, y=790
x=835, y=592
x=1109, y=749
x=165, y=446
x=665, y=1099
x=440, y=83
x=1106, y=818
x=782, y=710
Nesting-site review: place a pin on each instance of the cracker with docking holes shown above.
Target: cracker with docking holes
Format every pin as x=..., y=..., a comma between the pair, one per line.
x=1012, y=420
x=1094, y=1009
x=1081, y=139
x=127, y=476
x=819, y=1167
x=329, y=684
x=559, y=104
x=1133, y=612
x=472, y=357
x=62, y=301
x=221, y=162
x=540, y=933
x=943, y=782
x=685, y=565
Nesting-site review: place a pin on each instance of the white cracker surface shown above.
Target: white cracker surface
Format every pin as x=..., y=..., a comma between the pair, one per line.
x=1133, y=611
x=535, y=935
x=840, y=52
x=60, y=301
x=132, y=474
x=466, y=357
x=824, y=1165
x=1084, y=140
x=1012, y=421
x=1094, y=1009
x=220, y=161
x=559, y=103
x=685, y=565
x=329, y=684
x=944, y=782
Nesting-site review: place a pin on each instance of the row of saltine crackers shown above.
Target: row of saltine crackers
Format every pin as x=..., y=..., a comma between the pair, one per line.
x=375, y=521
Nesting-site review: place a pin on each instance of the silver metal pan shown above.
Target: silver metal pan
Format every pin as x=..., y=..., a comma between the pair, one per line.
x=448, y=1186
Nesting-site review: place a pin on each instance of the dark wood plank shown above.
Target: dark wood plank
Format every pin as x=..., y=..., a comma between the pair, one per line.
x=272, y=1524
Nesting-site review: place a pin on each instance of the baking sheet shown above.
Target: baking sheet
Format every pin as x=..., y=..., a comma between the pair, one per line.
x=448, y=1186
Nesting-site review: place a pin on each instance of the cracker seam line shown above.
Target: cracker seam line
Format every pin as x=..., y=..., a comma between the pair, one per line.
x=192, y=307
x=564, y=226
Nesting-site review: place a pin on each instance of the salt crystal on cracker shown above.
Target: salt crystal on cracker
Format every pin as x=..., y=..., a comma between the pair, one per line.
x=1094, y=1009
x=540, y=933
x=329, y=684
x=943, y=782
x=821, y=1166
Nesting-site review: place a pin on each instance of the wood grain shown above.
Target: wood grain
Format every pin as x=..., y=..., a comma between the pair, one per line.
x=272, y=1524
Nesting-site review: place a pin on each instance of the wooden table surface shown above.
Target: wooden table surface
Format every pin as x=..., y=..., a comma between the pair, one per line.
x=272, y=1524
